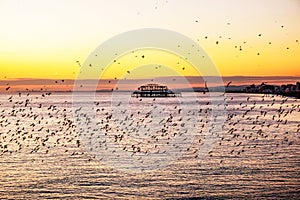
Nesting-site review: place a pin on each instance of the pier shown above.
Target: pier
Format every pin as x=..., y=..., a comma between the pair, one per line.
x=154, y=90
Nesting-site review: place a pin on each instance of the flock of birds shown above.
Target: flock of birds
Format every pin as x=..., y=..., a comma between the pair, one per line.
x=35, y=123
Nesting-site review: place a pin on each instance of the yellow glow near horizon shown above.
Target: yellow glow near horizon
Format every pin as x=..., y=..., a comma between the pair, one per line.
x=257, y=58
x=44, y=39
x=149, y=63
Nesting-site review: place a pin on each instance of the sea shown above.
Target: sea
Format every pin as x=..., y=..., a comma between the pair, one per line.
x=109, y=145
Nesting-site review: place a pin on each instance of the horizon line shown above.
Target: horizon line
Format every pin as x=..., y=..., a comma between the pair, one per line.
x=178, y=82
x=237, y=76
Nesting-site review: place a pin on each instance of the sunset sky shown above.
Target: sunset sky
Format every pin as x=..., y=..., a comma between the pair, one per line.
x=44, y=39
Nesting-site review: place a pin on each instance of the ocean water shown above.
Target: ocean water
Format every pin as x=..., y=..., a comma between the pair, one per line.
x=55, y=147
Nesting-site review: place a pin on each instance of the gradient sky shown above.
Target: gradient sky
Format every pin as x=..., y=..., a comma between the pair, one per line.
x=44, y=39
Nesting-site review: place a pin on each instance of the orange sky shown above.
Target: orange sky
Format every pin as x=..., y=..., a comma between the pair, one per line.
x=44, y=39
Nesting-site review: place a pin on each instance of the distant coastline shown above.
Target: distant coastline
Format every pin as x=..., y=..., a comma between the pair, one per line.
x=279, y=85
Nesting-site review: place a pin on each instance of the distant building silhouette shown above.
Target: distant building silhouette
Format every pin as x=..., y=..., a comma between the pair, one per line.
x=286, y=90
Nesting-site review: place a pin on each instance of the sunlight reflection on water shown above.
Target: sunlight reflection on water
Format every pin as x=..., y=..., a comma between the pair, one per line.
x=254, y=157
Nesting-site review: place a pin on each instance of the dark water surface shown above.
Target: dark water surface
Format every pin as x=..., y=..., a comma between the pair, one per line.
x=257, y=155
